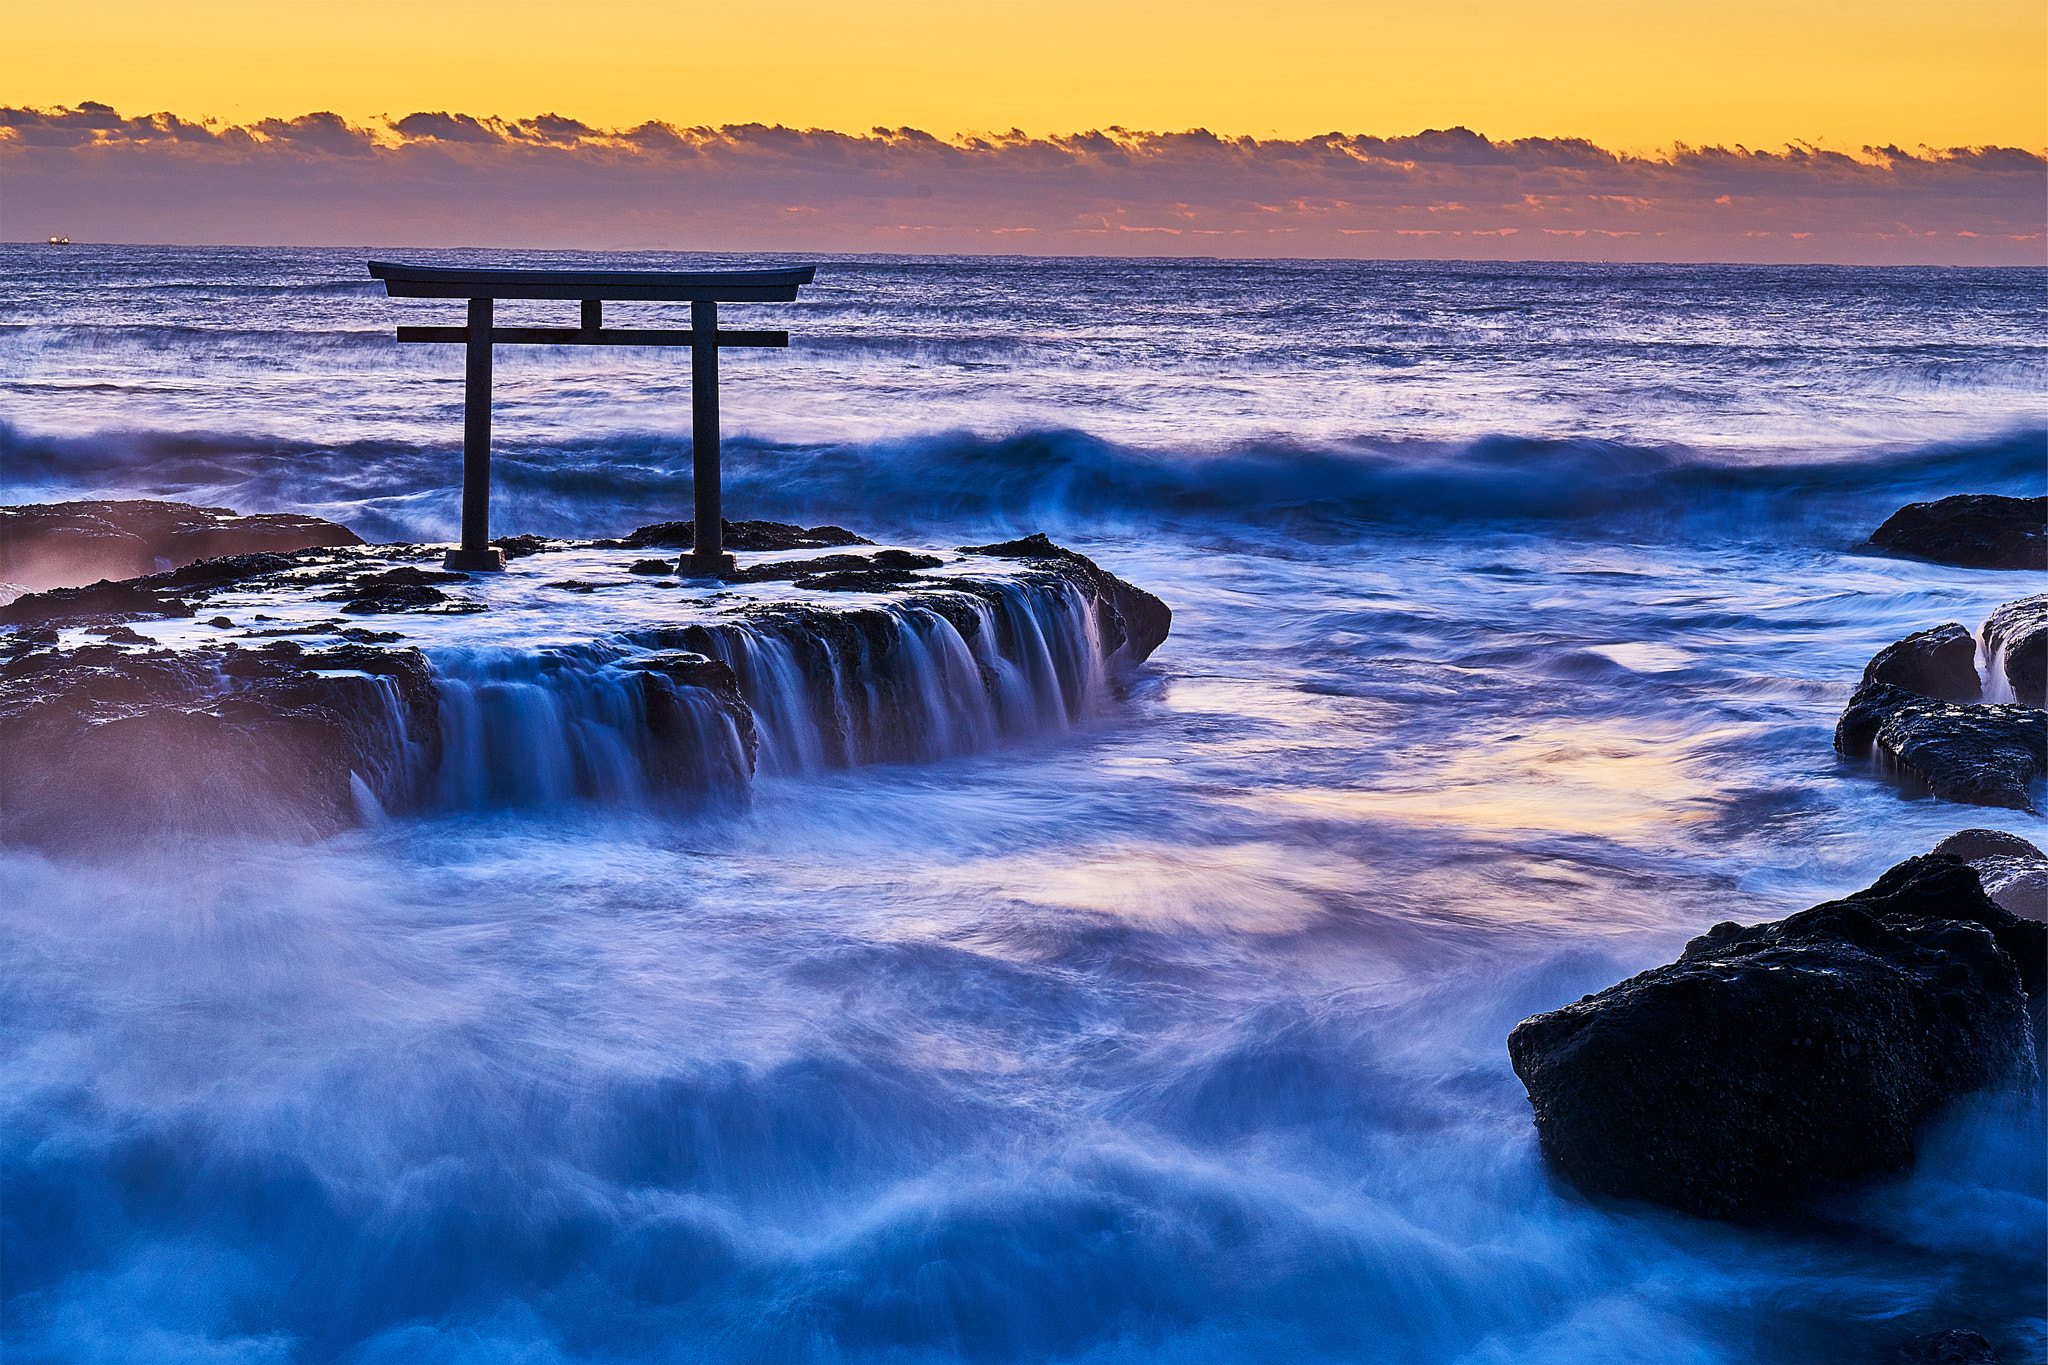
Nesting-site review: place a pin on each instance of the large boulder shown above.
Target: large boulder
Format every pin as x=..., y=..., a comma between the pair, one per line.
x=1981, y=755
x=65, y=544
x=1774, y=1062
x=1133, y=622
x=1940, y=663
x=1972, y=530
x=2016, y=635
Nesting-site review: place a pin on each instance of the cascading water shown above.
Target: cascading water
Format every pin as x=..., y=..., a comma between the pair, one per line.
x=820, y=689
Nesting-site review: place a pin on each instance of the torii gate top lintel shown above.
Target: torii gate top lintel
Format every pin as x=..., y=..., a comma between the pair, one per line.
x=703, y=290
x=674, y=286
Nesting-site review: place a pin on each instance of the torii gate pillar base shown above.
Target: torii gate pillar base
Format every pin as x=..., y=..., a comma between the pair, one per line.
x=706, y=566
x=487, y=560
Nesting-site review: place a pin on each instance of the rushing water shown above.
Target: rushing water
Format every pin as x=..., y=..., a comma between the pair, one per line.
x=1514, y=607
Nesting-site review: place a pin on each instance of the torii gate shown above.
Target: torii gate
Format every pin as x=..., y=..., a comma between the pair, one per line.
x=704, y=290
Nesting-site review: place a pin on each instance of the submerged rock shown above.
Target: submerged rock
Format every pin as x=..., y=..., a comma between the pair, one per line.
x=64, y=544
x=1953, y=1347
x=1940, y=663
x=1988, y=755
x=1971, y=530
x=2016, y=635
x=1785, y=1059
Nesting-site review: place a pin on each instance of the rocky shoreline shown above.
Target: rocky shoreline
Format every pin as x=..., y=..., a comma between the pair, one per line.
x=294, y=694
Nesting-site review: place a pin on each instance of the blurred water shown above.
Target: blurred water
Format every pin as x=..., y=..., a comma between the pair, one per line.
x=1514, y=607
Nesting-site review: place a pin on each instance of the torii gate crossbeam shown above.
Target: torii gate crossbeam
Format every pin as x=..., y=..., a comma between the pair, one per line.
x=703, y=290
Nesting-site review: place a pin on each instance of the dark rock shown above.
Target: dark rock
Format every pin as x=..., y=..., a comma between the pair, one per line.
x=1774, y=1062
x=1972, y=530
x=64, y=544
x=789, y=570
x=221, y=623
x=394, y=597
x=121, y=635
x=741, y=535
x=855, y=580
x=1953, y=1347
x=652, y=566
x=1980, y=755
x=519, y=547
x=208, y=574
x=670, y=677
x=1132, y=621
x=103, y=600
x=1941, y=663
x=104, y=746
x=2014, y=872
x=2016, y=636
x=906, y=559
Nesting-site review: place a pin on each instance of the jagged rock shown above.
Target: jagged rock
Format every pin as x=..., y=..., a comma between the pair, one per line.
x=1940, y=663
x=1980, y=755
x=1972, y=530
x=64, y=544
x=2014, y=872
x=104, y=746
x=102, y=601
x=741, y=535
x=1133, y=622
x=518, y=547
x=668, y=676
x=1953, y=1347
x=1773, y=1062
x=2017, y=637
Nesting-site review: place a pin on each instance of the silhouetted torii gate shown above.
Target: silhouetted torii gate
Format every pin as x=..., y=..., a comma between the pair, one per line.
x=704, y=290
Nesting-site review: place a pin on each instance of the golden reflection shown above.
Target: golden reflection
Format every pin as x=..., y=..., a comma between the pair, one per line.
x=1574, y=778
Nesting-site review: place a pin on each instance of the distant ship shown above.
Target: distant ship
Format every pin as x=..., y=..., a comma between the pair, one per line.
x=60, y=241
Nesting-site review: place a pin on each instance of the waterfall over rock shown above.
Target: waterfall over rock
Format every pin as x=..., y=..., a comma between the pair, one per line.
x=526, y=690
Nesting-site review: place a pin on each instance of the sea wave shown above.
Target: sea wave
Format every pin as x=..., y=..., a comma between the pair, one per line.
x=1050, y=477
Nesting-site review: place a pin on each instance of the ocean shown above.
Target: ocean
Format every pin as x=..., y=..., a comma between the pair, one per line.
x=1514, y=608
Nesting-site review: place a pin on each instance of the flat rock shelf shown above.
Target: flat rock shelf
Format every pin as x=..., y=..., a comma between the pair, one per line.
x=293, y=695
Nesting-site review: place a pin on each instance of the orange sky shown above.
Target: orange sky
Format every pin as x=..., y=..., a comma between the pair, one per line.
x=1629, y=74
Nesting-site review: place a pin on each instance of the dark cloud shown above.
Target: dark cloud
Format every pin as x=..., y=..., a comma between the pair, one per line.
x=446, y=127
x=549, y=180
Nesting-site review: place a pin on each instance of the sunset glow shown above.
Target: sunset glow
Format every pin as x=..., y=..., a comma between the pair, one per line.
x=1628, y=74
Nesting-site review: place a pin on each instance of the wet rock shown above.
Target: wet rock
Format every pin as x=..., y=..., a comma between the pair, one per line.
x=395, y=597
x=741, y=535
x=104, y=746
x=855, y=580
x=1972, y=530
x=1953, y=1347
x=1940, y=663
x=519, y=547
x=1980, y=755
x=1782, y=1060
x=103, y=601
x=2016, y=635
x=651, y=566
x=677, y=727
x=65, y=544
x=1132, y=621
x=2013, y=871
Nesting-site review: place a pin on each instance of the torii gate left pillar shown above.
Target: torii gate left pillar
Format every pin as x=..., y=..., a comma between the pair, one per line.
x=703, y=290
